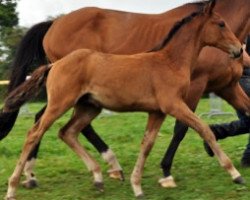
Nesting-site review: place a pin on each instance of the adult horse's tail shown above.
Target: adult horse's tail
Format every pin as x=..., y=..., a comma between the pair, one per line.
x=30, y=51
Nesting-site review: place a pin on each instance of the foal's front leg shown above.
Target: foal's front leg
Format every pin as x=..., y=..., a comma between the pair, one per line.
x=181, y=111
x=195, y=92
x=155, y=121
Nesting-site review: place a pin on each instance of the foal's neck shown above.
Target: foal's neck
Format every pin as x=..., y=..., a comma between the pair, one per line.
x=184, y=48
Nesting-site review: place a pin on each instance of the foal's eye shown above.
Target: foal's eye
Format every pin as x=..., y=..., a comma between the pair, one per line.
x=222, y=24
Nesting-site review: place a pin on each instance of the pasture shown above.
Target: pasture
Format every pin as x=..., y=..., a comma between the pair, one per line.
x=63, y=176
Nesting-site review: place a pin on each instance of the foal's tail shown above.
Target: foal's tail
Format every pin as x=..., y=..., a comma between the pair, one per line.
x=27, y=90
x=29, y=51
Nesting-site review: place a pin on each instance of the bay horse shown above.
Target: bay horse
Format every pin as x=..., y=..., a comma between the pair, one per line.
x=127, y=33
x=155, y=82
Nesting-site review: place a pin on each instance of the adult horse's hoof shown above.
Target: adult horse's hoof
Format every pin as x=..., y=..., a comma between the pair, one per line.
x=140, y=196
x=117, y=175
x=167, y=182
x=30, y=184
x=239, y=180
x=99, y=186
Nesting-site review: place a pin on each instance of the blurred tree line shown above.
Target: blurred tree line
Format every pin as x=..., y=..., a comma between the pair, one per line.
x=10, y=35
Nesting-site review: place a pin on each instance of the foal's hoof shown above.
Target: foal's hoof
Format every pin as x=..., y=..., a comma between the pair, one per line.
x=117, y=175
x=30, y=184
x=239, y=180
x=9, y=198
x=167, y=182
x=99, y=186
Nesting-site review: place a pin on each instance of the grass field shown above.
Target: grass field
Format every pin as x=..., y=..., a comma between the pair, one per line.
x=62, y=175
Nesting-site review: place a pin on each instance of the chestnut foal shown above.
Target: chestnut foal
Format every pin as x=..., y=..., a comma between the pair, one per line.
x=155, y=82
x=120, y=32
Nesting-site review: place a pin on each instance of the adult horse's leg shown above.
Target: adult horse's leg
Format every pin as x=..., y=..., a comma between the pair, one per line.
x=31, y=181
x=195, y=92
x=180, y=130
x=83, y=115
x=182, y=112
x=115, y=171
x=155, y=121
x=236, y=96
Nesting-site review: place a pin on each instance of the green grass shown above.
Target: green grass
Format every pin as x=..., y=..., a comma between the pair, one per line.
x=63, y=176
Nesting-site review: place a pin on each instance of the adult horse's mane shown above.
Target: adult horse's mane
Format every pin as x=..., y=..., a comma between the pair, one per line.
x=198, y=3
x=248, y=45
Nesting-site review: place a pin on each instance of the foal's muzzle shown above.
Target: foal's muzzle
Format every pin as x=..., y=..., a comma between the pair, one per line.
x=236, y=54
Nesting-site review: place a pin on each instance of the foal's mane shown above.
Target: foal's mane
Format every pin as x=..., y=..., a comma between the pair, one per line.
x=176, y=27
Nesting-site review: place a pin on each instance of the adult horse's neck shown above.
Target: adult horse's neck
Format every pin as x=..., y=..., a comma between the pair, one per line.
x=236, y=14
x=184, y=47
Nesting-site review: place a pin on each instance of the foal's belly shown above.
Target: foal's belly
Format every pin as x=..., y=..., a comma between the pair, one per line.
x=125, y=103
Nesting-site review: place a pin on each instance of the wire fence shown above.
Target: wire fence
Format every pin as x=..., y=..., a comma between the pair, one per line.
x=4, y=82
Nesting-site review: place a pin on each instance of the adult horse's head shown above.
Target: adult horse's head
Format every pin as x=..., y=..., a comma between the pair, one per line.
x=217, y=33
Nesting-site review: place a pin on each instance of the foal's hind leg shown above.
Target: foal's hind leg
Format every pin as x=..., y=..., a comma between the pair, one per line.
x=83, y=115
x=108, y=155
x=181, y=111
x=31, y=181
x=33, y=137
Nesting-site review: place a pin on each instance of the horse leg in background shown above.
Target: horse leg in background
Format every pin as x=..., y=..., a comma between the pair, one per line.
x=239, y=98
x=236, y=96
x=82, y=116
x=195, y=92
x=180, y=131
x=107, y=154
x=31, y=181
x=182, y=112
x=154, y=123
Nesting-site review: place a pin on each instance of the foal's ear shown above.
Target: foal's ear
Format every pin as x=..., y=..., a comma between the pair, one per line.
x=208, y=8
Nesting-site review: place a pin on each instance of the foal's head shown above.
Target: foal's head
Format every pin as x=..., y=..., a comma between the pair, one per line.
x=216, y=32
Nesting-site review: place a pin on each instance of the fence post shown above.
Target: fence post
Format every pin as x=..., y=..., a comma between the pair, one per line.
x=215, y=107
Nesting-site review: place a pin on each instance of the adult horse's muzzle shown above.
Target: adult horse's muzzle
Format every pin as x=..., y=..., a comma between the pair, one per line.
x=236, y=53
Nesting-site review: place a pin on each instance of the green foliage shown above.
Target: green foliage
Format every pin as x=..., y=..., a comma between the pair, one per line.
x=62, y=175
x=3, y=91
x=10, y=35
x=8, y=14
x=9, y=44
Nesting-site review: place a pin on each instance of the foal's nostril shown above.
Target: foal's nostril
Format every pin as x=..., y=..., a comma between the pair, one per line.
x=237, y=54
